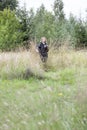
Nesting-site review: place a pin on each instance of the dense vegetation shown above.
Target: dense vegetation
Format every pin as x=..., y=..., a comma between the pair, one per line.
x=19, y=26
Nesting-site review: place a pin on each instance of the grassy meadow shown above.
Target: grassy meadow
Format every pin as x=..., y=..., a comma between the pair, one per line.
x=36, y=96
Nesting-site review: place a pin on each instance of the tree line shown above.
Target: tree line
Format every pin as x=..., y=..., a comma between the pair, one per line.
x=18, y=26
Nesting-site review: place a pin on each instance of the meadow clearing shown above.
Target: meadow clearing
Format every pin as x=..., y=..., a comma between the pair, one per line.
x=36, y=96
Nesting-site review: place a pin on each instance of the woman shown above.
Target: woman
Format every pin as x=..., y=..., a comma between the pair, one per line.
x=43, y=49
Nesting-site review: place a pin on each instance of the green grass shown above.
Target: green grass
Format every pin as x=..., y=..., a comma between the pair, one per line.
x=57, y=102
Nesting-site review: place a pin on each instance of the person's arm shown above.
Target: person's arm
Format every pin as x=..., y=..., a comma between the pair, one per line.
x=39, y=47
x=47, y=48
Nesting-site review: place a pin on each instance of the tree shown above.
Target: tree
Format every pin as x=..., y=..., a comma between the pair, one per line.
x=80, y=33
x=43, y=23
x=22, y=15
x=58, y=10
x=10, y=35
x=77, y=31
x=11, y=4
x=26, y=19
x=59, y=22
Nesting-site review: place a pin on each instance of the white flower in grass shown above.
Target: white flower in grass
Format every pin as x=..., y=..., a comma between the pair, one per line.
x=18, y=92
x=24, y=122
x=6, y=104
x=49, y=89
x=7, y=120
x=39, y=123
x=5, y=127
x=43, y=122
x=25, y=115
x=39, y=113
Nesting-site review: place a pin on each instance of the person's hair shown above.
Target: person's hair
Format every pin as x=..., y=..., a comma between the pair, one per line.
x=43, y=39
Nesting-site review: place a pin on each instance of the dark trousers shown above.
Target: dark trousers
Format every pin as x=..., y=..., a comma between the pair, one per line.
x=43, y=58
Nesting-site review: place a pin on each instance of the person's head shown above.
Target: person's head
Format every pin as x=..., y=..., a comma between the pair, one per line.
x=43, y=39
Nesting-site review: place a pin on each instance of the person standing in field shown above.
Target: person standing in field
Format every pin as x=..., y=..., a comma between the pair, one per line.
x=43, y=49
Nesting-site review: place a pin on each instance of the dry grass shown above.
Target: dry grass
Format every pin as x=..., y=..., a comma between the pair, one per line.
x=15, y=64
x=65, y=57
x=18, y=64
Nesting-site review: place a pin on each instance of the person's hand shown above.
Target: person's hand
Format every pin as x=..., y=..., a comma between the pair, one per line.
x=37, y=50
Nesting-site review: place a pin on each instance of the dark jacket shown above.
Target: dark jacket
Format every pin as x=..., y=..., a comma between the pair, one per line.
x=43, y=49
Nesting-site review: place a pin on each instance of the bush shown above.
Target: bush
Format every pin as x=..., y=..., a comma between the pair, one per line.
x=10, y=34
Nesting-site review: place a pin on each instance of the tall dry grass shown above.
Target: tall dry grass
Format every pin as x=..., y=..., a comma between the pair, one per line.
x=27, y=63
x=20, y=64
x=67, y=57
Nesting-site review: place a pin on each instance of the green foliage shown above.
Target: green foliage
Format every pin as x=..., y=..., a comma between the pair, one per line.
x=51, y=25
x=23, y=17
x=23, y=26
x=80, y=32
x=44, y=23
x=10, y=34
x=27, y=28
x=12, y=4
x=77, y=30
x=58, y=10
